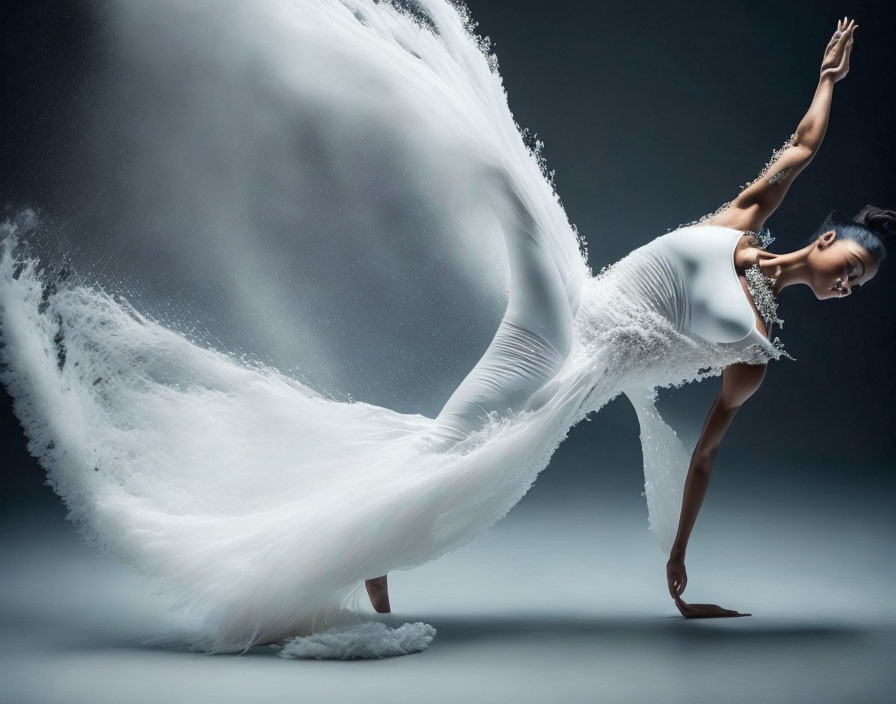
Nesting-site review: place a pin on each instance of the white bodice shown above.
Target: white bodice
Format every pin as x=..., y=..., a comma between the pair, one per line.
x=689, y=276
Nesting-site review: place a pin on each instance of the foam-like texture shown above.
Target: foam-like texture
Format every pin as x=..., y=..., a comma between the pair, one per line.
x=365, y=641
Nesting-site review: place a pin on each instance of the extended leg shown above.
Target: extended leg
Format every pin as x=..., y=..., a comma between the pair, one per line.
x=530, y=345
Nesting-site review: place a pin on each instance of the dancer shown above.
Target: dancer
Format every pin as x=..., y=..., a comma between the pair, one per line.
x=687, y=279
x=262, y=505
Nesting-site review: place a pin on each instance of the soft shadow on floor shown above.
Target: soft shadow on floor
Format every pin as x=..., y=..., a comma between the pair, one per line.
x=455, y=633
x=457, y=630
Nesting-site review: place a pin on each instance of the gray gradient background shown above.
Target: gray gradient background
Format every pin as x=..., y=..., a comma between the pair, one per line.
x=653, y=114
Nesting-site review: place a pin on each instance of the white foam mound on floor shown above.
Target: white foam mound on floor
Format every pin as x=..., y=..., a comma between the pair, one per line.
x=364, y=641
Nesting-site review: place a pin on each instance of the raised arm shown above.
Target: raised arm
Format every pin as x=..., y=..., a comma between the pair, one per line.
x=758, y=200
x=739, y=382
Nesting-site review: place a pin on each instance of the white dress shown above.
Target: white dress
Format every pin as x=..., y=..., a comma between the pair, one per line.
x=686, y=277
x=260, y=504
x=263, y=506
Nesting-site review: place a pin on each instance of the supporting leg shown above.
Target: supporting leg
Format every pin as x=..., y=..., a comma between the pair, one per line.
x=378, y=591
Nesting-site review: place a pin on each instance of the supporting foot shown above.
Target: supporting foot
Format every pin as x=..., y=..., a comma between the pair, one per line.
x=378, y=591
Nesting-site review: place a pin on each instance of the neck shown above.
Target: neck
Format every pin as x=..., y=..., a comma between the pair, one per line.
x=786, y=269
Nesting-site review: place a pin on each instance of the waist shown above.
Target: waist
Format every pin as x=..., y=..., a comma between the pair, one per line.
x=654, y=278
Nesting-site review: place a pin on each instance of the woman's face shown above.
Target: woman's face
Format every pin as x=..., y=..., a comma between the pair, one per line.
x=838, y=266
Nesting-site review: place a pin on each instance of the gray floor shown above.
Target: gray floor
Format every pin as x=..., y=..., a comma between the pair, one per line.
x=564, y=601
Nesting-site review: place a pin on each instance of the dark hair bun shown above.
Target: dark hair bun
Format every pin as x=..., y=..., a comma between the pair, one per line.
x=880, y=221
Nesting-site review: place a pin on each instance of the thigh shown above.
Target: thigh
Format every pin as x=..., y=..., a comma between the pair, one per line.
x=531, y=343
x=515, y=366
x=538, y=301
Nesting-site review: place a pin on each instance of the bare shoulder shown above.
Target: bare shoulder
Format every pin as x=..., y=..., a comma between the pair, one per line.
x=739, y=382
x=747, y=218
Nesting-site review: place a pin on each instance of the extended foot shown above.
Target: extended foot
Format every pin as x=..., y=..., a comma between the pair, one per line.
x=378, y=591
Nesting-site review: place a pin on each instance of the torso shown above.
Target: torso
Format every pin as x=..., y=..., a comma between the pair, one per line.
x=697, y=280
x=676, y=308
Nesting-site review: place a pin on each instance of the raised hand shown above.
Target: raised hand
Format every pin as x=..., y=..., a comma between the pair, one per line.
x=835, y=63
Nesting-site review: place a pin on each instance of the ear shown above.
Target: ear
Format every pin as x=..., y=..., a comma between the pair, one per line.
x=826, y=239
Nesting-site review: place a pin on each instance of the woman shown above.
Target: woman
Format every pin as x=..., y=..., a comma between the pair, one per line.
x=534, y=338
x=262, y=505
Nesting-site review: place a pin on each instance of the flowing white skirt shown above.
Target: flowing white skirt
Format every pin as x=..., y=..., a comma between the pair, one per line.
x=261, y=505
